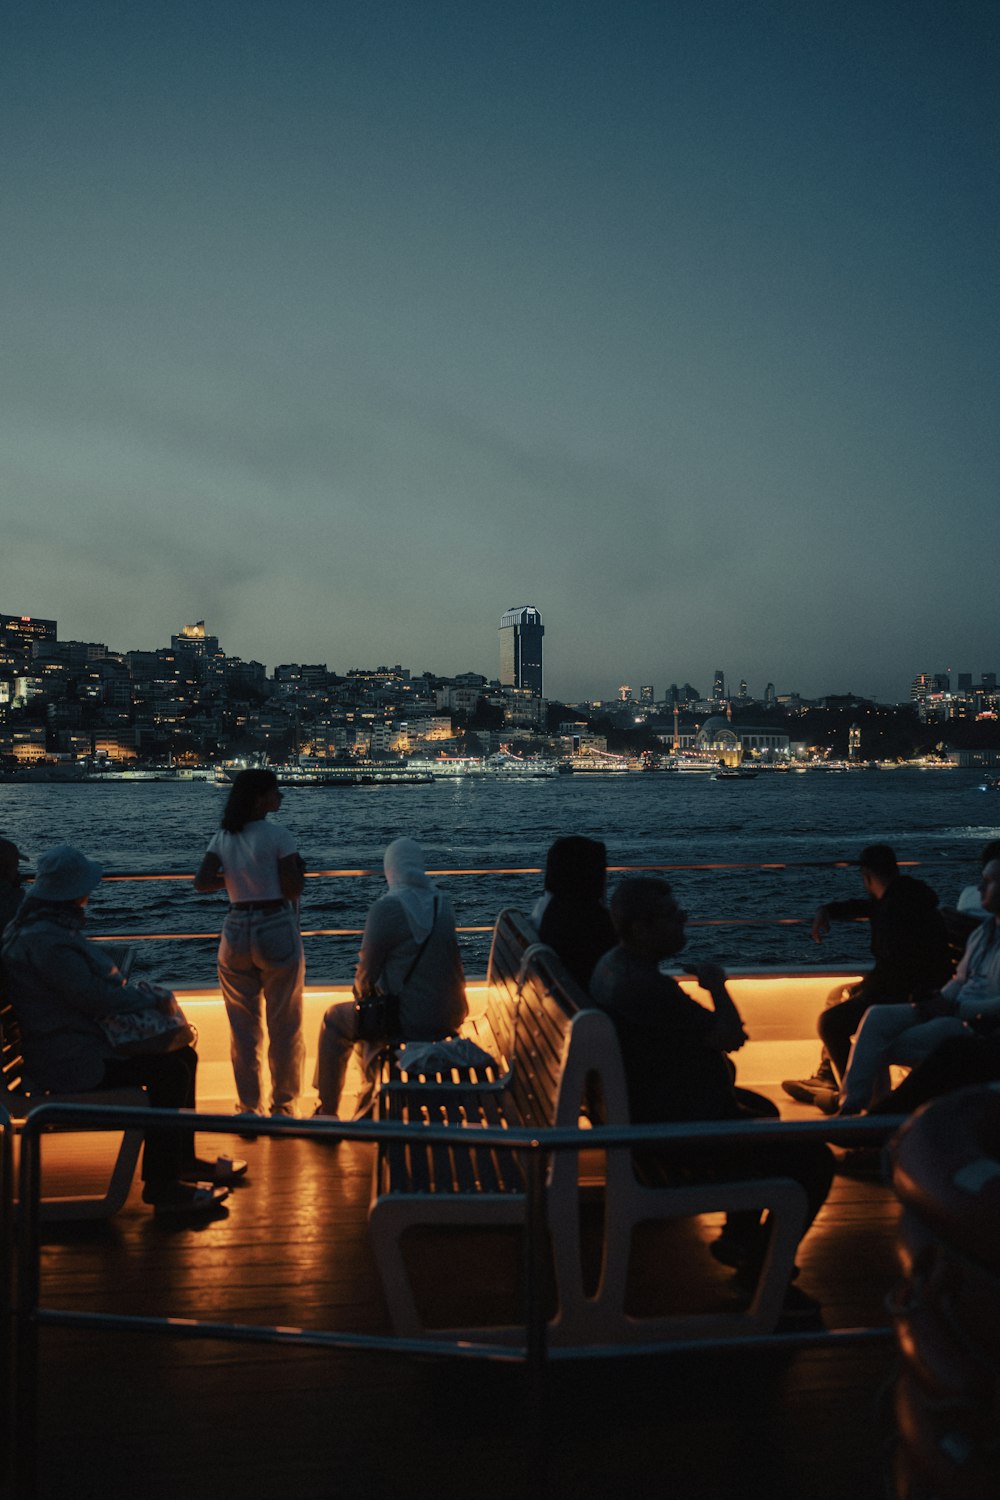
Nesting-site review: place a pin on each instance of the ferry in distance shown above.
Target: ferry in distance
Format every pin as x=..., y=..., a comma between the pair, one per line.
x=352, y=772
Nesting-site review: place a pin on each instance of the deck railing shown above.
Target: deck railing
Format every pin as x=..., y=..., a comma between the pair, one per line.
x=20, y=1406
x=491, y=872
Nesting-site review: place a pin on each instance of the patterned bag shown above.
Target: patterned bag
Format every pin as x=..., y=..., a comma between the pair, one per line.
x=133, y=1033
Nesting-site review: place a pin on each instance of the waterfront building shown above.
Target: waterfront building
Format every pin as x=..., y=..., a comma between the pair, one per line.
x=18, y=633
x=521, y=632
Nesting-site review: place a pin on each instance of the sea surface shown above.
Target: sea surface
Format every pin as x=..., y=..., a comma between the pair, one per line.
x=798, y=823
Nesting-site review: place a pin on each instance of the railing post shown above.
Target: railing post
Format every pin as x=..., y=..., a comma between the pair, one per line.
x=7, y=1325
x=25, y=1406
x=536, y=1254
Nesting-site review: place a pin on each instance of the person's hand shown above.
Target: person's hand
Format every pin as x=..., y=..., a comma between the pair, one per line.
x=710, y=976
x=821, y=924
x=933, y=1004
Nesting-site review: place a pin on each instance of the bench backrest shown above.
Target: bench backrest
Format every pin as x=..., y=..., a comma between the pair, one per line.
x=11, y=1061
x=513, y=935
x=551, y=1026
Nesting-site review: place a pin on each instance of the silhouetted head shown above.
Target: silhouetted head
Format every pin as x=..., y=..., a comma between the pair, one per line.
x=246, y=802
x=576, y=869
x=647, y=919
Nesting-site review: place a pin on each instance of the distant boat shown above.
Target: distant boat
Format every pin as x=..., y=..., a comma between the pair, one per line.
x=337, y=773
x=734, y=773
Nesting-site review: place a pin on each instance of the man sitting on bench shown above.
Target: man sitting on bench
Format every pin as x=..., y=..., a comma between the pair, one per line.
x=676, y=1068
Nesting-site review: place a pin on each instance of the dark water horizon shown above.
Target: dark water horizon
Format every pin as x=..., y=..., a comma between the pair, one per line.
x=939, y=818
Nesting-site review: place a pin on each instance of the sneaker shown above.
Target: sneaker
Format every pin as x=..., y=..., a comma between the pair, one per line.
x=861, y=1161
x=223, y=1172
x=736, y=1251
x=799, y=1310
x=183, y=1199
x=813, y=1090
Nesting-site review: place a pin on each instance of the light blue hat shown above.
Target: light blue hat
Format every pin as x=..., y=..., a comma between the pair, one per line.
x=64, y=874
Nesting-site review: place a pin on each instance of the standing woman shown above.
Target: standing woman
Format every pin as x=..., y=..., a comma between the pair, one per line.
x=261, y=963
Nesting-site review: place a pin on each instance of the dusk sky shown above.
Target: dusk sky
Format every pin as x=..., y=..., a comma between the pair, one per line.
x=346, y=326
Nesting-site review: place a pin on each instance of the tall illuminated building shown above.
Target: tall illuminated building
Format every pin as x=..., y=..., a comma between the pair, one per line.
x=521, y=632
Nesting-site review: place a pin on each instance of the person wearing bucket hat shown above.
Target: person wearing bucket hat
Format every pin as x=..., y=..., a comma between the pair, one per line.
x=11, y=891
x=59, y=986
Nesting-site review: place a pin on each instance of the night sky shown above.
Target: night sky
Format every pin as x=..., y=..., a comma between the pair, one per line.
x=346, y=326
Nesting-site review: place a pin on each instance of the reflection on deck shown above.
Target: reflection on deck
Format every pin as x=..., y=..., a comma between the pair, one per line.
x=205, y=1418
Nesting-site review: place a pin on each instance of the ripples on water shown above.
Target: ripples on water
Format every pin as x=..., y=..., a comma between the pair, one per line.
x=938, y=818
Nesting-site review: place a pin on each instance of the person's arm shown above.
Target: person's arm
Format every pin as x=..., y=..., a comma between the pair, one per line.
x=379, y=938
x=209, y=876
x=88, y=980
x=726, y=1034
x=291, y=875
x=837, y=911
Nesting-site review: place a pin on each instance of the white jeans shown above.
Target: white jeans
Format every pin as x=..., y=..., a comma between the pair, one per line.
x=338, y=1036
x=889, y=1034
x=261, y=971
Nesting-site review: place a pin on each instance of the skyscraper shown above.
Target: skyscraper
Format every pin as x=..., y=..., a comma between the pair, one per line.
x=521, y=632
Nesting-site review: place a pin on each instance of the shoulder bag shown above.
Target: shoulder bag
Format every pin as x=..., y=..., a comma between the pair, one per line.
x=377, y=1015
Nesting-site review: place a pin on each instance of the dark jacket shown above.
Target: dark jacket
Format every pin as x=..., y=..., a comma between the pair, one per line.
x=909, y=939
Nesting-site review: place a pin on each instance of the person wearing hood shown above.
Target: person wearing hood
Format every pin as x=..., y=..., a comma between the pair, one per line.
x=909, y=942
x=409, y=949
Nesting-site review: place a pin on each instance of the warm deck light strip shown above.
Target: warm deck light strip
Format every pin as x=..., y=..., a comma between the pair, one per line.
x=311, y=932
x=791, y=864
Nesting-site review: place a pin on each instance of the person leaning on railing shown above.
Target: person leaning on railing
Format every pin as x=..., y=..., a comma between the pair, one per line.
x=962, y=1009
x=59, y=986
x=909, y=942
x=261, y=962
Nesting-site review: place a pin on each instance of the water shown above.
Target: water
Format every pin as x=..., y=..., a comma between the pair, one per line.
x=938, y=818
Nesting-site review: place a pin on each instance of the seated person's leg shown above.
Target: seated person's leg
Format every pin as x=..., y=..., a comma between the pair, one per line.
x=878, y=1040
x=169, y=1078
x=836, y=1027
x=337, y=1037
x=955, y=1063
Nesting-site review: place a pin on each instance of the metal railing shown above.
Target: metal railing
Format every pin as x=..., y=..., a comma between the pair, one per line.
x=30, y=1316
x=492, y=872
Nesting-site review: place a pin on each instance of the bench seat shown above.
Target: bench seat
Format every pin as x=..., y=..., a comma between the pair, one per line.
x=19, y=1100
x=559, y=1048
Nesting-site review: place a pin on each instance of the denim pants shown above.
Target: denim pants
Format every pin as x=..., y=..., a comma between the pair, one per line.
x=890, y=1034
x=261, y=973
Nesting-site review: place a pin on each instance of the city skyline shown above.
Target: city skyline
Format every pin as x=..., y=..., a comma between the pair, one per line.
x=520, y=666
x=342, y=327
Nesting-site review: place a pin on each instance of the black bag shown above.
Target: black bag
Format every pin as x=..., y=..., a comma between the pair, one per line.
x=377, y=1018
x=377, y=1015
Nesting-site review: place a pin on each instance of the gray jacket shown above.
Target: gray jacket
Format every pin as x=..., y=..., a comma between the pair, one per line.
x=59, y=984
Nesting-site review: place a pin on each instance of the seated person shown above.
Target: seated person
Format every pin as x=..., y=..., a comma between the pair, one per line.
x=909, y=1034
x=409, y=949
x=909, y=942
x=11, y=890
x=674, y=1053
x=60, y=985
x=575, y=921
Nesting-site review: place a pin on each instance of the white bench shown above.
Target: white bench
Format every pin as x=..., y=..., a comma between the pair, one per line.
x=560, y=1045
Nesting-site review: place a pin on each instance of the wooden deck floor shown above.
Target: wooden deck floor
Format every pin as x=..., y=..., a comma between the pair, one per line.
x=131, y=1414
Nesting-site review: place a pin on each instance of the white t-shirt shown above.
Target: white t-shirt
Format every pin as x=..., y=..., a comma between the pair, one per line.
x=250, y=859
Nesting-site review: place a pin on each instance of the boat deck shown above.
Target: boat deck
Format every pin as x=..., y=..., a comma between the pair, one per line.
x=205, y=1417
x=122, y=1413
